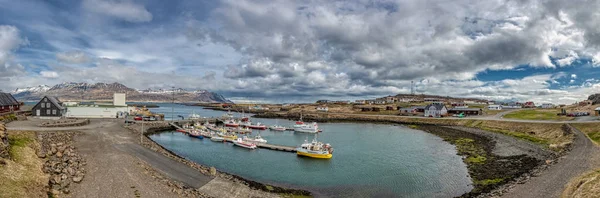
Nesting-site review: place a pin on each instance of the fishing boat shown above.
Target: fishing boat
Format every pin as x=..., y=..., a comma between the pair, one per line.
x=277, y=127
x=308, y=128
x=217, y=139
x=315, y=149
x=299, y=123
x=240, y=130
x=195, y=134
x=227, y=136
x=241, y=143
x=181, y=130
x=255, y=139
x=258, y=126
x=231, y=123
x=193, y=116
x=245, y=121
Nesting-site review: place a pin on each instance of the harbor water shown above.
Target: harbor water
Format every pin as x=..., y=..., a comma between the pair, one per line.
x=369, y=160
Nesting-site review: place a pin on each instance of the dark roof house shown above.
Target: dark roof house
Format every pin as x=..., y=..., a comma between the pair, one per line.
x=8, y=103
x=49, y=106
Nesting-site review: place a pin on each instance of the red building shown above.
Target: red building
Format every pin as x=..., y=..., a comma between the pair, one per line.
x=8, y=103
x=529, y=105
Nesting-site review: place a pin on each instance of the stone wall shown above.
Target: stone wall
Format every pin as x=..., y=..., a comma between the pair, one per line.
x=65, y=123
x=3, y=141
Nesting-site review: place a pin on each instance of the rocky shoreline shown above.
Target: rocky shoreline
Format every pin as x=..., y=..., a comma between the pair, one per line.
x=211, y=171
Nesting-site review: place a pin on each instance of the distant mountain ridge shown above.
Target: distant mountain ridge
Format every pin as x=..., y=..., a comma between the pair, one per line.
x=104, y=91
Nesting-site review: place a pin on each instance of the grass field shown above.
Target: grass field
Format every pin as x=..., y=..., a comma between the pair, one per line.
x=492, y=112
x=537, y=114
x=587, y=185
x=22, y=175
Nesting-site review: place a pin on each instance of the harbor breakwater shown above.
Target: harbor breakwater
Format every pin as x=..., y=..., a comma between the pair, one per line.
x=159, y=127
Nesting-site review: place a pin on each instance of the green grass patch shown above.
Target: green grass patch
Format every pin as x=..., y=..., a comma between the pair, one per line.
x=486, y=182
x=536, y=114
x=22, y=176
x=519, y=135
x=269, y=188
x=293, y=196
x=412, y=126
x=476, y=159
x=595, y=136
x=16, y=143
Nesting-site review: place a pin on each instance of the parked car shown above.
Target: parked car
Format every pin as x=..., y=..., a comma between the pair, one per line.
x=138, y=118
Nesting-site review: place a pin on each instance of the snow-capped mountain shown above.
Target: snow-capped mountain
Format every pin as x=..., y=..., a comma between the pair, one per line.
x=36, y=89
x=104, y=91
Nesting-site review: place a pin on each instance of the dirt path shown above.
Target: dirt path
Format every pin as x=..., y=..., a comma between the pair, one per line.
x=551, y=182
x=111, y=172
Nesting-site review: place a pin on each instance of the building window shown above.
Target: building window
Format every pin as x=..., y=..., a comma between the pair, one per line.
x=53, y=111
x=43, y=105
x=47, y=111
x=45, y=99
x=47, y=105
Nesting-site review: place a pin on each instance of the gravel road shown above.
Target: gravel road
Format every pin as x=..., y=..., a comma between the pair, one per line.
x=551, y=182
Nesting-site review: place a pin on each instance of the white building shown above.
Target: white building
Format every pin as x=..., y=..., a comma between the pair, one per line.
x=97, y=110
x=436, y=110
x=323, y=109
x=495, y=107
x=547, y=106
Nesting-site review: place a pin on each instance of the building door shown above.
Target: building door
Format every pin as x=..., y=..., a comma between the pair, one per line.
x=37, y=112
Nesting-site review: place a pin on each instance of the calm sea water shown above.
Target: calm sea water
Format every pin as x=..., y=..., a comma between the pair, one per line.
x=370, y=160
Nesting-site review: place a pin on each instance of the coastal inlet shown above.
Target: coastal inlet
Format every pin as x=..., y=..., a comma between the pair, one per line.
x=373, y=160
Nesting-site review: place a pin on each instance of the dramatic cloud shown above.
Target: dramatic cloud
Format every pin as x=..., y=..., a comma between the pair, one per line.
x=72, y=57
x=538, y=50
x=10, y=40
x=49, y=74
x=125, y=10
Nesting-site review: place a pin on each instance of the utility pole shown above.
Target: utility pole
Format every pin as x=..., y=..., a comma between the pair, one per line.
x=412, y=87
x=142, y=133
x=173, y=106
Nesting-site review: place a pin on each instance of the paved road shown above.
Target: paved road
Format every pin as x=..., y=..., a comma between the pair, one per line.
x=470, y=118
x=167, y=166
x=551, y=182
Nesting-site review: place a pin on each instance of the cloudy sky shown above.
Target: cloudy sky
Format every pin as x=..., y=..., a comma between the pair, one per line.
x=545, y=51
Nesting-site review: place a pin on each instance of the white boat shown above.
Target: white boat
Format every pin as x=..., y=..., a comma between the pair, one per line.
x=241, y=143
x=307, y=128
x=277, y=128
x=255, y=139
x=299, y=123
x=193, y=116
x=217, y=139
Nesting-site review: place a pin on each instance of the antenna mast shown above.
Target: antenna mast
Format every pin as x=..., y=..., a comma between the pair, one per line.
x=412, y=87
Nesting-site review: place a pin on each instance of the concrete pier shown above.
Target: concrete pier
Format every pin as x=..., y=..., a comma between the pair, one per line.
x=260, y=145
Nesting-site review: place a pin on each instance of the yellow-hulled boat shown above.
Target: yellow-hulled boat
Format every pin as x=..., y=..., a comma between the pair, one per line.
x=315, y=149
x=229, y=137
